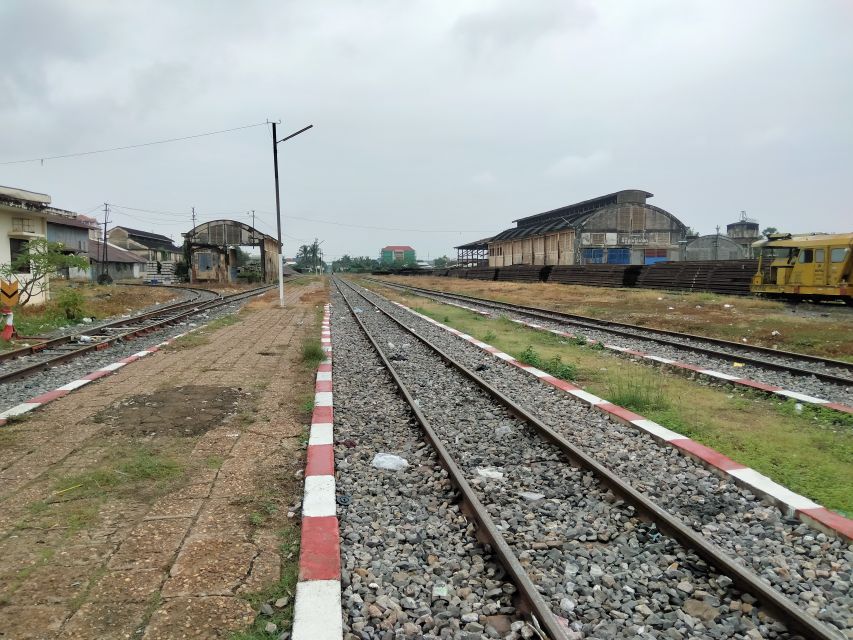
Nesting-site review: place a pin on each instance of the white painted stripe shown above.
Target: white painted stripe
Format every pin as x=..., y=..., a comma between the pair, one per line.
x=74, y=384
x=319, y=498
x=657, y=430
x=465, y=336
x=764, y=484
x=504, y=356
x=802, y=397
x=323, y=399
x=557, y=331
x=477, y=343
x=20, y=409
x=326, y=361
x=718, y=374
x=324, y=376
x=317, y=611
x=536, y=372
x=659, y=359
x=615, y=347
x=321, y=433
x=326, y=348
x=113, y=366
x=142, y=354
x=534, y=325
x=585, y=395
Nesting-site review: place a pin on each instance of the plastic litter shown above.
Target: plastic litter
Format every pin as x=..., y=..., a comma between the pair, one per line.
x=85, y=339
x=492, y=474
x=531, y=495
x=798, y=408
x=737, y=364
x=503, y=430
x=86, y=320
x=727, y=306
x=389, y=462
x=775, y=333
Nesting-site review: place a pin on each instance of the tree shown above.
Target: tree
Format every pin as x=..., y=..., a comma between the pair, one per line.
x=766, y=233
x=440, y=263
x=33, y=266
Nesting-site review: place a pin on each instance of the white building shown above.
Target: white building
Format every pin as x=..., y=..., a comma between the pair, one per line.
x=23, y=217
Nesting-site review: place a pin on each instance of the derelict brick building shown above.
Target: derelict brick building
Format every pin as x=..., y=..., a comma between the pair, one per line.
x=617, y=228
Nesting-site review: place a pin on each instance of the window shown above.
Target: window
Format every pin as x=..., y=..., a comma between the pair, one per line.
x=806, y=256
x=17, y=247
x=25, y=225
x=838, y=254
x=819, y=256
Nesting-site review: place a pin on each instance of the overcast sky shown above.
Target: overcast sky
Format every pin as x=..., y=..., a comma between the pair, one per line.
x=444, y=119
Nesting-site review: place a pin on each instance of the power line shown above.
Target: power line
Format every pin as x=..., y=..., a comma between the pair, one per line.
x=133, y=146
x=362, y=226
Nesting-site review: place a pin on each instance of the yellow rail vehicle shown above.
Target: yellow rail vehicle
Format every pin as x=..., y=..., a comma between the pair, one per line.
x=816, y=267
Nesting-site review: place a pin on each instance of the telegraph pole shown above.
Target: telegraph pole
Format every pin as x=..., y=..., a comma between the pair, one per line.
x=104, y=247
x=275, y=143
x=188, y=252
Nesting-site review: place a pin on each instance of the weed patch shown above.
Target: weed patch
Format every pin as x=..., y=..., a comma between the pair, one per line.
x=553, y=365
x=312, y=353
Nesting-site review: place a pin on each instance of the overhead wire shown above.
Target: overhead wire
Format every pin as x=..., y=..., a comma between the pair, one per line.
x=132, y=146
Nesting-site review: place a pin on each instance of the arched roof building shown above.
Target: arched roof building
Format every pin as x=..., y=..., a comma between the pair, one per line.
x=211, y=248
x=617, y=228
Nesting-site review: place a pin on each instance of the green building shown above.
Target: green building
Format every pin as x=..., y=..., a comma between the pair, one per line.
x=400, y=254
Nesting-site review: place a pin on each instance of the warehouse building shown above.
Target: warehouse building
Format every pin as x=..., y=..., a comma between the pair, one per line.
x=617, y=228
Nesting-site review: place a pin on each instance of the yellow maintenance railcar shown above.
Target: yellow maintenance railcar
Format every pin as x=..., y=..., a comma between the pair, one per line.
x=815, y=267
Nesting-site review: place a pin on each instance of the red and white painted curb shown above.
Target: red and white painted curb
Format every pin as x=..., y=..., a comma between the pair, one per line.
x=317, y=610
x=64, y=390
x=790, y=503
x=710, y=373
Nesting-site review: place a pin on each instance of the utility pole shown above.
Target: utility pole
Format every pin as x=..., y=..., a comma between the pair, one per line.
x=275, y=143
x=104, y=247
x=188, y=251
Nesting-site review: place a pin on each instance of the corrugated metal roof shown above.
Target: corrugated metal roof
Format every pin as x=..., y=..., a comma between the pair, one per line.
x=114, y=253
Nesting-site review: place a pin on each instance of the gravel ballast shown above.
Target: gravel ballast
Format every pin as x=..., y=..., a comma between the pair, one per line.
x=809, y=567
x=411, y=566
x=610, y=574
x=645, y=341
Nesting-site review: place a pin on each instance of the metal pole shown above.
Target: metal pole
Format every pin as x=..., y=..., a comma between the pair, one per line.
x=278, y=218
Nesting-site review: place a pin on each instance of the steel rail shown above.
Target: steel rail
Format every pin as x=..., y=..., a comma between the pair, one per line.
x=776, y=603
x=27, y=370
x=533, y=604
x=627, y=330
x=42, y=345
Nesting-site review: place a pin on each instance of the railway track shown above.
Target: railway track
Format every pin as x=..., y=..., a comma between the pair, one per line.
x=21, y=363
x=835, y=376
x=536, y=535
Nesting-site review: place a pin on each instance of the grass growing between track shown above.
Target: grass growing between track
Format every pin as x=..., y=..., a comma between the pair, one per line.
x=819, y=330
x=809, y=451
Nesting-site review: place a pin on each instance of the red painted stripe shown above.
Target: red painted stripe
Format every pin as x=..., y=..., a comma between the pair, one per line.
x=320, y=555
x=324, y=367
x=834, y=521
x=96, y=375
x=838, y=407
x=321, y=460
x=322, y=414
x=561, y=384
x=153, y=349
x=322, y=385
x=129, y=359
x=47, y=397
x=619, y=412
x=756, y=385
x=706, y=454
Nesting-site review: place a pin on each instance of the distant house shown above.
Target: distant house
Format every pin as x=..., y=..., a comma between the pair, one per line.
x=118, y=263
x=73, y=232
x=401, y=254
x=159, y=252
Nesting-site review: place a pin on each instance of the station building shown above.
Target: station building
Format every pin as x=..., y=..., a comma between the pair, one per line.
x=617, y=228
x=399, y=253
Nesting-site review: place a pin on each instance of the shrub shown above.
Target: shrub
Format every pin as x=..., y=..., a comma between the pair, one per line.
x=71, y=302
x=312, y=353
x=638, y=393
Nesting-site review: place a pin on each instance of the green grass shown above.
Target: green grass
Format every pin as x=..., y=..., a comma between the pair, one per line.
x=126, y=470
x=810, y=451
x=285, y=587
x=312, y=353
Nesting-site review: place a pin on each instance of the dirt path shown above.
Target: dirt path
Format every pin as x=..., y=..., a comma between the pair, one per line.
x=154, y=503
